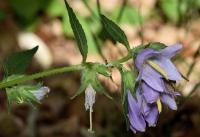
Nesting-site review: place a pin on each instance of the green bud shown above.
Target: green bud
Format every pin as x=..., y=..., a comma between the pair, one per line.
x=31, y=94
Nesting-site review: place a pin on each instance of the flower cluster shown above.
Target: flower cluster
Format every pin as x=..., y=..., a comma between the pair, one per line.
x=154, y=86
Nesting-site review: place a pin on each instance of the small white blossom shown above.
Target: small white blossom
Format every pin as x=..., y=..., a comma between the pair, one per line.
x=41, y=92
x=89, y=97
x=89, y=102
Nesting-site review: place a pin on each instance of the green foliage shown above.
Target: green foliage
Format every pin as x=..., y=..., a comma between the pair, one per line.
x=2, y=15
x=17, y=63
x=171, y=9
x=27, y=9
x=114, y=31
x=130, y=15
x=78, y=32
x=197, y=2
x=179, y=10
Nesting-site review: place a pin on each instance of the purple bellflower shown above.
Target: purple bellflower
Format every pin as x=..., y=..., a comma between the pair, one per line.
x=154, y=86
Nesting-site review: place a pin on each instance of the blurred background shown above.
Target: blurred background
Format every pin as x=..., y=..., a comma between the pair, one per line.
x=27, y=23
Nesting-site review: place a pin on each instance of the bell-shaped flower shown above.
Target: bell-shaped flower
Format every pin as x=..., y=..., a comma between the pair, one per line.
x=90, y=94
x=156, y=73
x=153, y=64
x=89, y=97
x=154, y=86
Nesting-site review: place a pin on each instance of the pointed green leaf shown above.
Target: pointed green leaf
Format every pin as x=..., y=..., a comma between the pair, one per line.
x=17, y=63
x=78, y=32
x=114, y=31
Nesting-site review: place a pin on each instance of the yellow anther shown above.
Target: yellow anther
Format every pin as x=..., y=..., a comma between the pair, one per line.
x=159, y=105
x=159, y=69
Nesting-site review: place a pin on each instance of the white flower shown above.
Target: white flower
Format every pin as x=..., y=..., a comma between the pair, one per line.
x=89, y=102
x=41, y=92
x=89, y=97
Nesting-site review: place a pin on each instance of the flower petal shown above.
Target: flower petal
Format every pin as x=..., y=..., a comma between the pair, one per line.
x=135, y=117
x=133, y=129
x=150, y=94
x=169, y=67
x=152, y=116
x=152, y=78
x=169, y=101
x=144, y=55
x=171, y=51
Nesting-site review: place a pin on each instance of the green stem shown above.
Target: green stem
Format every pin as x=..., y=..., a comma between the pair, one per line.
x=39, y=75
x=119, y=61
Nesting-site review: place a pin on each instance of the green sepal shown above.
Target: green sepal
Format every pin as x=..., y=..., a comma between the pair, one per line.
x=22, y=94
x=128, y=84
x=156, y=45
x=90, y=76
x=101, y=69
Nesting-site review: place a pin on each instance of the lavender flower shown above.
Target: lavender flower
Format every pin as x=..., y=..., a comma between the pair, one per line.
x=154, y=86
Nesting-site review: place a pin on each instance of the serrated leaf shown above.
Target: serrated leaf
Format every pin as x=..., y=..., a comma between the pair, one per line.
x=114, y=31
x=17, y=63
x=78, y=32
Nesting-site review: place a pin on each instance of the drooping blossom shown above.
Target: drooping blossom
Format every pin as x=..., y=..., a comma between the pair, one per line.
x=154, y=85
x=89, y=102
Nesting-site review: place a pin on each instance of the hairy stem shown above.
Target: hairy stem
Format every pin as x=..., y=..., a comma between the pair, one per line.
x=5, y=84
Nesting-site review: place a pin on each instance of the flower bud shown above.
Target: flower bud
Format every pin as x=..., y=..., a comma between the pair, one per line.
x=41, y=92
